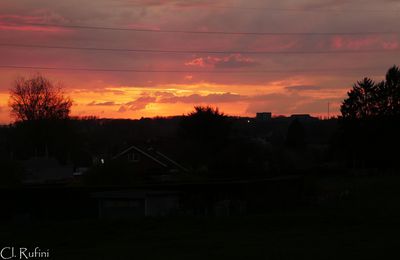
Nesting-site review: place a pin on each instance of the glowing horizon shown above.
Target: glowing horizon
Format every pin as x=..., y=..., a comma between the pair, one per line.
x=113, y=94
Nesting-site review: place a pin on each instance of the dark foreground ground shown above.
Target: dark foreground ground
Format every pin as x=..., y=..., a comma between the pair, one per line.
x=361, y=223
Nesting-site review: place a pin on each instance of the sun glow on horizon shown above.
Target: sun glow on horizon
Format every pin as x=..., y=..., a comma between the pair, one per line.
x=113, y=101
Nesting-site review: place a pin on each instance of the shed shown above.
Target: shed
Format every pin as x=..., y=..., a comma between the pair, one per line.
x=136, y=203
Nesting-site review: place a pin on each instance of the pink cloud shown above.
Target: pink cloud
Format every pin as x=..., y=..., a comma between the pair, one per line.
x=391, y=45
x=366, y=42
x=11, y=22
x=231, y=61
x=275, y=43
x=199, y=62
x=337, y=42
x=10, y=27
x=362, y=43
x=20, y=18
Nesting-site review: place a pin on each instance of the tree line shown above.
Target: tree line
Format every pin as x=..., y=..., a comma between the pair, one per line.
x=370, y=122
x=367, y=137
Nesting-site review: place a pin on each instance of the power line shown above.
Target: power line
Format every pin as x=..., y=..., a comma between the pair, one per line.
x=360, y=11
x=204, y=32
x=192, y=51
x=314, y=70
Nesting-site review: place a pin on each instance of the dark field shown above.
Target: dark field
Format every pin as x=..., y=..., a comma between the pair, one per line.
x=360, y=223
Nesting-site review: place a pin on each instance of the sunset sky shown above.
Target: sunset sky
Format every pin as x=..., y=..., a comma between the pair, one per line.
x=297, y=73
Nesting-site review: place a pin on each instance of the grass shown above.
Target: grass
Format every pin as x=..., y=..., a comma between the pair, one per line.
x=365, y=225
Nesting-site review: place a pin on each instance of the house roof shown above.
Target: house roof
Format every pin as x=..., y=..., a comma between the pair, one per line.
x=153, y=155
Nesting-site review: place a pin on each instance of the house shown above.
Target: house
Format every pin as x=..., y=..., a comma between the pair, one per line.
x=46, y=170
x=150, y=161
x=136, y=203
x=210, y=198
x=224, y=197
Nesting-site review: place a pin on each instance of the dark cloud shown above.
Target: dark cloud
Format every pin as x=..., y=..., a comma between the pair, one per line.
x=178, y=3
x=292, y=103
x=107, y=103
x=196, y=98
x=276, y=103
x=302, y=88
x=319, y=105
x=231, y=61
x=99, y=13
x=326, y=4
x=140, y=103
x=122, y=109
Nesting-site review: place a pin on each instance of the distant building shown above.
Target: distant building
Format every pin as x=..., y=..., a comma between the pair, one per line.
x=263, y=116
x=303, y=117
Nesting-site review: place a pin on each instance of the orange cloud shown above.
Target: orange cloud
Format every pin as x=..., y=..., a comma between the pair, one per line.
x=140, y=103
x=279, y=97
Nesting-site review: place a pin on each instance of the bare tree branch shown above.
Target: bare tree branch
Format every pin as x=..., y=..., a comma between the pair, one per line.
x=37, y=98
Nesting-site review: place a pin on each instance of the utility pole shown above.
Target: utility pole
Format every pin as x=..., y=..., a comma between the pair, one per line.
x=328, y=110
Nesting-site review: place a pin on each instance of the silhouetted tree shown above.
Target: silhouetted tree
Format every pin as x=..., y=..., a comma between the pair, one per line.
x=368, y=99
x=296, y=135
x=370, y=121
x=41, y=112
x=37, y=98
x=389, y=93
x=362, y=101
x=204, y=132
x=205, y=124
